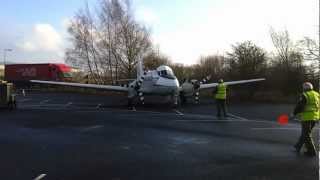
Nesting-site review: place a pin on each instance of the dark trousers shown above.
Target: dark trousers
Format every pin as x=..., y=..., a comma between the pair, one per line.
x=221, y=106
x=306, y=137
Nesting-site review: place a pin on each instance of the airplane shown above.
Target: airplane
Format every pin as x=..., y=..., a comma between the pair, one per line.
x=161, y=81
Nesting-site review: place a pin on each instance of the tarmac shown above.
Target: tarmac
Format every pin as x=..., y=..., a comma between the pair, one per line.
x=63, y=136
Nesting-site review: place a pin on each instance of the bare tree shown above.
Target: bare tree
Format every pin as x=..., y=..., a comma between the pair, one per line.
x=288, y=70
x=282, y=43
x=246, y=61
x=310, y=49
x=108, y=43
x=212, y=65
x=153, y=60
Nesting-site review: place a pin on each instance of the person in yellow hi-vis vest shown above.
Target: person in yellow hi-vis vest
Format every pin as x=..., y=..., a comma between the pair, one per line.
x=308, y=111
x=220, y=97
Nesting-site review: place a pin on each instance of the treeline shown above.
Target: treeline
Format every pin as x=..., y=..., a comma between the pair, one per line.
x=285, y=70
x=108, y=43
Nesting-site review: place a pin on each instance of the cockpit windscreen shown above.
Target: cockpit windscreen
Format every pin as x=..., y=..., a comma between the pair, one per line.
x=167, y=74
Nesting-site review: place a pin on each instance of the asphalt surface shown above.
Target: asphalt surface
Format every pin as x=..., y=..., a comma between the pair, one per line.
x=61, y=136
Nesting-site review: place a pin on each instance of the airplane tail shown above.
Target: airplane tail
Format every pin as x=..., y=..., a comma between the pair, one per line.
x=139, y=68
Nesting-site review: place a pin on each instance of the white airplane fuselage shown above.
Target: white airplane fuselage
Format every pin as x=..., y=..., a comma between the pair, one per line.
x=155, y=84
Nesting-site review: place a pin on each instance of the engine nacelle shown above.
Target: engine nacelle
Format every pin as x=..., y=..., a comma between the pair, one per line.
x=190, y=89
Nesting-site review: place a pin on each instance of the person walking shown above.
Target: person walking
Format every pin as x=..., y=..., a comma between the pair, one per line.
x=307, y=110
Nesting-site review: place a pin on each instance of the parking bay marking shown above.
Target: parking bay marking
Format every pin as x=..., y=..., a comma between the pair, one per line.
x=68, y=104
x=40, y=177
x=178, y=112
x=98, y=106
x=213, y=120
x=44, y=101
x=23, y=100
x=92, y=128
x=276, y=128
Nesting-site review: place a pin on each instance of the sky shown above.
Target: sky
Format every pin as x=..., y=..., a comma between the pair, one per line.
x=184, y=30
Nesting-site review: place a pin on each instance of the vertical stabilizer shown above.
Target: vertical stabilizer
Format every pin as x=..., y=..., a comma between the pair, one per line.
x=139, y=68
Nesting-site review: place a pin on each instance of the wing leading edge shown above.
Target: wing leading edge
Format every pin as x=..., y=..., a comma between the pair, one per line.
x=93, y=86
x=212, y=85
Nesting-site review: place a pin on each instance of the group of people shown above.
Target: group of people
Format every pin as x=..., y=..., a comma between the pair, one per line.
x=307, y=110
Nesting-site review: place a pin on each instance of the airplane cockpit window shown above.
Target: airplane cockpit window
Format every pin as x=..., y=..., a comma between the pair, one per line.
x=166, y=74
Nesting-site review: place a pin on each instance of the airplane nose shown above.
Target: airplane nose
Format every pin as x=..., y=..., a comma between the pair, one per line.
x=177, y=83
x=174, y=83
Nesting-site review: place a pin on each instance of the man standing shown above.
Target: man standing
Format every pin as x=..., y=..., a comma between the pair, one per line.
x=307, y=110
x=220, y=97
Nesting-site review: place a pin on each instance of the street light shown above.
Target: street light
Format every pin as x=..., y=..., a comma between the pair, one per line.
x=5, y=55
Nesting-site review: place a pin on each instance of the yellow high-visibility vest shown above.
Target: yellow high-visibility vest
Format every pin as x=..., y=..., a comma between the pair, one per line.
x=312, y=108
x=221, y=91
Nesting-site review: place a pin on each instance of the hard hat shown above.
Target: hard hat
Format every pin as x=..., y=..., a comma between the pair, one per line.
x=220, y=81
x=307, y=86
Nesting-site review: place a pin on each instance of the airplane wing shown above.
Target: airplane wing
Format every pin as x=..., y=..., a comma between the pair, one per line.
x=93, y=86
x=212, y=85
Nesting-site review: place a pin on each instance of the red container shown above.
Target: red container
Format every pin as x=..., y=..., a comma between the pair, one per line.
x=46, y=72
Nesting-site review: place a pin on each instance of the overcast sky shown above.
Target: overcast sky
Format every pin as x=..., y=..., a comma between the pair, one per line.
x=183, y=29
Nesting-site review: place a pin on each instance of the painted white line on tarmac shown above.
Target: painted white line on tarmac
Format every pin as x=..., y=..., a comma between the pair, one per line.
x=237, y=117
x=23, y=100
x=44, y=101
x=178, y=112
x=216, y=120
x=92, y=128
x=276, y=128
x=259, y=120
x=98, y=106
x=279, y=128
x=68, y=104
x=40, y=177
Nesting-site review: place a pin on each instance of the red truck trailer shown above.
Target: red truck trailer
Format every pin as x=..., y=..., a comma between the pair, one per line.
x=46, y=72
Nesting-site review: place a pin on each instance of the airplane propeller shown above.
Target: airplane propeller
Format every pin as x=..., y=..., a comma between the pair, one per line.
x=192, y=89
x=137, y=87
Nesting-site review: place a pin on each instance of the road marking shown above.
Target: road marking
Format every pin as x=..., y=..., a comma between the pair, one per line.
x=259, y=120
x=40, y=177
x=213, y=120
x=68, y=104
x=98, y=106
x=126, y=147
x=279, y=128
x=237, y=117
x=276, y=128
x=178, y=112
x=92, y=128
x=23, y=100
x=45, y=101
